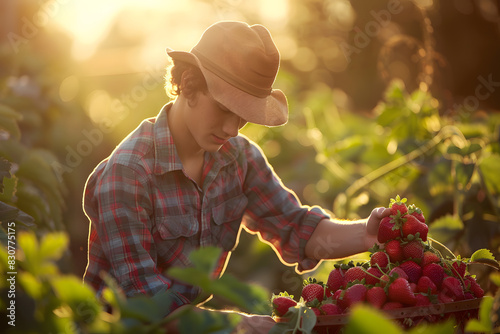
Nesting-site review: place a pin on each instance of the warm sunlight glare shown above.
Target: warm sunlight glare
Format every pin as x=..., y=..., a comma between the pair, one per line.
x=89, y=21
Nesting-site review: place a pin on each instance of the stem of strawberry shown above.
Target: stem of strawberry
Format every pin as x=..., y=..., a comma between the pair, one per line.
x=442, y=246
x=450, y=267
x=376, y=265
x=297, y=324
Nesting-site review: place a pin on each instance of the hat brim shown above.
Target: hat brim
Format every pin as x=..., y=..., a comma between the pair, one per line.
x=270, y=111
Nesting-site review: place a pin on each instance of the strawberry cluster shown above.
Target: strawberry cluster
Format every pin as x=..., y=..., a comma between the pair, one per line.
x=406, y=271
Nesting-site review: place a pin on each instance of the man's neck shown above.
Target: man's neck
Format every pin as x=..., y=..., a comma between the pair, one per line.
x=187, y=148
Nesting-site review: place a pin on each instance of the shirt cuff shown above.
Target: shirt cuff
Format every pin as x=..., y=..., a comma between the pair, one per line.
x=314, y=216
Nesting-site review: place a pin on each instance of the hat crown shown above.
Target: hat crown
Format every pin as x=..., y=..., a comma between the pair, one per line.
x=242, y=55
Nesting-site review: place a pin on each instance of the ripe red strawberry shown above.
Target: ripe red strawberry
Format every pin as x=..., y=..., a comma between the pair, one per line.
x=379, y=258
x=330, y=309
x=313, y=291
x=354, y=274
x=394, y=250
x=412, y=269
x=473, y=286
x=435, y=272
x=328, y=293
x=413, y=249
x=416, y=212
x=316, y=311
x=355, y=294
x=384, y=279
x=376, y=296
x=281, y=304
x=426, y=285
x=400, y=291
x=429, y=257
x=444, y=298
x=338, y=296
x=412, y=226
x=469, y=295
x=459, y=268
x=370, y=273
x=335, y=280
x=388, y=230
x=422, y=300
x=398, y=271
x=452, y=287
x=398, y=205
x=392, y=306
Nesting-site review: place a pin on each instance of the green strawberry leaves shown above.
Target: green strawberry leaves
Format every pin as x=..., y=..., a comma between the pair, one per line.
x=484, y=256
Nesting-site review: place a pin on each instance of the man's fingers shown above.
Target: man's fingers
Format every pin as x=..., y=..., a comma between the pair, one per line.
x=384, y=212
x=375, y=217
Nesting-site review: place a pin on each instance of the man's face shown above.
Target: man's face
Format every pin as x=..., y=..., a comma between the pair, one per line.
x=211, y=124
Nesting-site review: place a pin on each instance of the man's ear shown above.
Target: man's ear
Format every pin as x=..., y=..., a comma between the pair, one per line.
x=188, y=88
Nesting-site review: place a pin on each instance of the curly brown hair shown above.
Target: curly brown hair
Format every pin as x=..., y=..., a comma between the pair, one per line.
x=194, y=80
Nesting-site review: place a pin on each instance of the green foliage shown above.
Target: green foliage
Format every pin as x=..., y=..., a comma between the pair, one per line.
x=484, y=323
x=482, y=254
x=27, y=179
x=447, y=166
x=49, y=301
x=248, y=298
x=364, y=319
x=367, y=320
x=446, y=228
x=485, y=257
x=489, y=310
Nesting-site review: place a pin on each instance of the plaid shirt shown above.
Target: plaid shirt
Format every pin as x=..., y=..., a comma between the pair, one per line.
x=146, y=215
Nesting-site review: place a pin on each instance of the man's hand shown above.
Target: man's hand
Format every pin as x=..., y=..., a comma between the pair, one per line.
x=373, y=223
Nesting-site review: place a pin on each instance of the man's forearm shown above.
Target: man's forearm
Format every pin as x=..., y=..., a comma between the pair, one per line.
x=334, y=239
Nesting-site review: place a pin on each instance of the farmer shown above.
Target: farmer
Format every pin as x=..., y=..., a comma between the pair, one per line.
x=187, y=179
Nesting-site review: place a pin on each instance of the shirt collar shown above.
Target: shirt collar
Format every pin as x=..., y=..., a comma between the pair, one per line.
x=166, y=157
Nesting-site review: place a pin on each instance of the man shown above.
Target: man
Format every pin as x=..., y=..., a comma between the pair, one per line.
x=186, y=178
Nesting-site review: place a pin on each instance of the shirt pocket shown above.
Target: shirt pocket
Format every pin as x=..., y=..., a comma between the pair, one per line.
x=175, y=227
x=175, y=238
x=227, y=220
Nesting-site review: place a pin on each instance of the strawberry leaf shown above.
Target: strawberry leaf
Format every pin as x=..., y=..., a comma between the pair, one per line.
x=482, y=254
x=374, y=249
x=397, y=200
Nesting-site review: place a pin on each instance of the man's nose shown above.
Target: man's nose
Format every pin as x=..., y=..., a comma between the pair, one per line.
x=232, y=125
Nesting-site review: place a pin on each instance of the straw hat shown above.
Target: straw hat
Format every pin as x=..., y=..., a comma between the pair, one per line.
x=240, y=63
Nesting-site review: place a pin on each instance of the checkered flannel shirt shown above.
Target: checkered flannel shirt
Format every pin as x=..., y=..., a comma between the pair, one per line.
x=146, y=215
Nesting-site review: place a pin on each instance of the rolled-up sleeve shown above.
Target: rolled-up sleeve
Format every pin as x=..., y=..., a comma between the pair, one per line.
x=275, y=212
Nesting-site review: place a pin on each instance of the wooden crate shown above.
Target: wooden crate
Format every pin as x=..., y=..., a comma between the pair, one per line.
x=409, y=317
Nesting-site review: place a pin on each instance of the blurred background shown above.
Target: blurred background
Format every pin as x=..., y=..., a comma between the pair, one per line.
x=386, y=98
